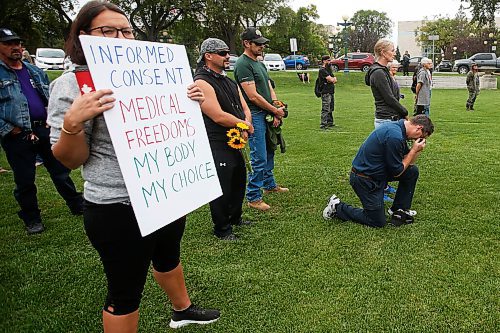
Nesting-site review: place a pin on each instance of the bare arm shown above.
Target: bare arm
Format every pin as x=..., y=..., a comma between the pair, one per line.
x=254, y=97
x=246, y=111
x=273, y=93
x=331, y=79
x=212, y=109
x=417, y=89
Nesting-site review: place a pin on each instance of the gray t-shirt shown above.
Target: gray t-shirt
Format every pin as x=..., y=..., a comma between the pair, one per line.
x=424, y=94
x=104, y=182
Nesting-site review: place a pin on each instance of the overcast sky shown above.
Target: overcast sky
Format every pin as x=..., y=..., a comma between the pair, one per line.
x=331, y=11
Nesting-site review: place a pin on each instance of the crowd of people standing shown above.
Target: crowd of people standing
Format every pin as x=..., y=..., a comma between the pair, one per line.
x=68, y=130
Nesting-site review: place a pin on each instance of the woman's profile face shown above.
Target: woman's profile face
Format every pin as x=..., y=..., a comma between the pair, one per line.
x=389, y=53
x=110, y=19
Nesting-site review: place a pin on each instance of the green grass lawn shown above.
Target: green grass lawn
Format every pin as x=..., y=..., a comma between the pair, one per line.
x=292, y=271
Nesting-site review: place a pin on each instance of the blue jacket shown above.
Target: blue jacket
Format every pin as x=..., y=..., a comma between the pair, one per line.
x=14, y=109
x=381, y=155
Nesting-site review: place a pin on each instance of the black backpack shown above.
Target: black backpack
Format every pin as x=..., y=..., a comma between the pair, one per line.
x=318, y=87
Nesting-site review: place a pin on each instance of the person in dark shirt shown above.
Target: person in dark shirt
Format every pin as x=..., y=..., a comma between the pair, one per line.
x=328, y=80
x=25, y=134
x=387, y=105
x=406, y=63
x=253, y=80
x=224, y=108
x=383, y=157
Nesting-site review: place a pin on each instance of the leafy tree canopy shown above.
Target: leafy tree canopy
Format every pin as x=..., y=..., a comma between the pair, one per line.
x=40, y=23
x=311, y=38
x=483, y=11
x=370, y=26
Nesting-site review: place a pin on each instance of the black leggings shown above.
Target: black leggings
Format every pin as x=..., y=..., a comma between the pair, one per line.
x=126, y=255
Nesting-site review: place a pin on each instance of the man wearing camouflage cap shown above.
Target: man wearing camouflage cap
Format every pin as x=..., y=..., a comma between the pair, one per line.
x=223, y=108
x=252, y=77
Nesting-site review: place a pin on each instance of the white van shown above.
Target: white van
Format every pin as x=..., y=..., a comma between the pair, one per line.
x=49, y=58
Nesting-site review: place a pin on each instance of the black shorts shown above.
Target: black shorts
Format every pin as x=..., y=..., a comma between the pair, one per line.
x=126, y=255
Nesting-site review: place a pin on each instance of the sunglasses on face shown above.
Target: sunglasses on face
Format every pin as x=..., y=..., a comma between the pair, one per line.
x=222, y=53
x=259, y=44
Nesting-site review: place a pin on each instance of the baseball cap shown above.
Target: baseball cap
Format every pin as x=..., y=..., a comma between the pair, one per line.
x=211, y=45
x=7, y=35
x=253, y=34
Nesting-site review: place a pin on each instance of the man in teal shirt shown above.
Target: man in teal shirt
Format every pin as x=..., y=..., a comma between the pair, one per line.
x=253, y=79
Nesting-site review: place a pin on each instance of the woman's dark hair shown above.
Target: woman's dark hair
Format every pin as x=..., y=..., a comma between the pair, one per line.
x=82, y=23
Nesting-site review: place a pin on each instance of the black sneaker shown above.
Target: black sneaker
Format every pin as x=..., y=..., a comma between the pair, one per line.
x=229, y=237
x=193, y=315
x=35, y=228
x=400, y=217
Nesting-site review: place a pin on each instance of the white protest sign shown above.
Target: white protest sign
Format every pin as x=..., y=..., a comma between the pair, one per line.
x=157, y=132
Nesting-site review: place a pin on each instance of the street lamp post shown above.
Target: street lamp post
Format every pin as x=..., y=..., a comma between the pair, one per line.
x=492, y=41
x=345, y=24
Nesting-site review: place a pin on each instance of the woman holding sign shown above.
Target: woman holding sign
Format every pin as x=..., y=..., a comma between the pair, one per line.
x=82, y=139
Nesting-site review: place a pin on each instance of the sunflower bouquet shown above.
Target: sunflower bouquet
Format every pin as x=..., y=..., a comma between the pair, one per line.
x=236, y=141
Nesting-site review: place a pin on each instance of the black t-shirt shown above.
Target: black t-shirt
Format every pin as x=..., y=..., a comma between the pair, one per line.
x=228, y=97
x=328, y=87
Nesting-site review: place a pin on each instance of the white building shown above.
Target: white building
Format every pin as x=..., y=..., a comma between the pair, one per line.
x=407, y=42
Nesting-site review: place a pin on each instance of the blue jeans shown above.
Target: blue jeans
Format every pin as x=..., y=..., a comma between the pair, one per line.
x=379, y=122
x=371, y=195
x=261, y=159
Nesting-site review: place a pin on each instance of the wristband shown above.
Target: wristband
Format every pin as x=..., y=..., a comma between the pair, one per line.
x=70, y=133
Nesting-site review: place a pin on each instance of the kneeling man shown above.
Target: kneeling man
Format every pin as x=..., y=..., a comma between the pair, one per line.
x=384, y=157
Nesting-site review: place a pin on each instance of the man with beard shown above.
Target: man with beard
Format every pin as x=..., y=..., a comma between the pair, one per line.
x=24, y=94
x=224, y=108
x=252, y=77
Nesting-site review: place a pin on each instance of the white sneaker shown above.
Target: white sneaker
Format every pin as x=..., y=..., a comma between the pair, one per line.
x=408, y=211
x=331, y=209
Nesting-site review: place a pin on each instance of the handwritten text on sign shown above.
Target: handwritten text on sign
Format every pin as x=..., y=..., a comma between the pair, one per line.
x=157, y=132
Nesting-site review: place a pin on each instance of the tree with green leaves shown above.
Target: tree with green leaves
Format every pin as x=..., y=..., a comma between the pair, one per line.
x=311, y=38
x=40, y=23
x=370, y=26
x=226, y=19
x=448, y=30
x=150, y=18
x=483, y=11
x=453, y=32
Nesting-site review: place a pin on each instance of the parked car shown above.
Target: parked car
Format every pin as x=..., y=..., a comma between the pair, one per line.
x=414, y=62
x=46, y=58
x=482, y=60
x=274, y=62
x=232, y=61
x=301, y=61
x=444, y=66
x=358, y=60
